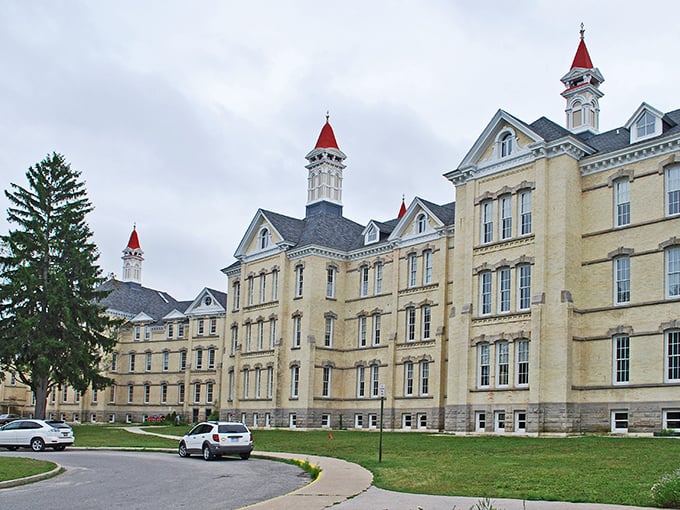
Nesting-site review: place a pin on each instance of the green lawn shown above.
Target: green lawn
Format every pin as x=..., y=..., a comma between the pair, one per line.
x=583, y=469
x=12, y=468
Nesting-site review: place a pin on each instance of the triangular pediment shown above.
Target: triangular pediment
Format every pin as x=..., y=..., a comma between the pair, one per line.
x=261, y=239
x=487, y=148
x=371, y=233
x=205, y=303
x=174, y=315
x=141, y=318
x=646, y=122
x=419, y=222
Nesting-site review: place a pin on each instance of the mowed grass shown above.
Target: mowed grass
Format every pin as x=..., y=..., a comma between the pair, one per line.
x=15, y=467
x=589, y=469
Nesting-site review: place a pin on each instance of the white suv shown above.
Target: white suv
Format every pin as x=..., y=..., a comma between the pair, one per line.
x=35, y=434
x=216, y=438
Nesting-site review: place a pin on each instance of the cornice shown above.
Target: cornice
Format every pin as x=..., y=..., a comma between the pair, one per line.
x=630, y=154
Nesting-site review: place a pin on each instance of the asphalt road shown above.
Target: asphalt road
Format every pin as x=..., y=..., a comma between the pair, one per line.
x=139, y=480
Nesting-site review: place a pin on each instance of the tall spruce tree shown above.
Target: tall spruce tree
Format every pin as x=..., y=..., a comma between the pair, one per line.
x=52, y=331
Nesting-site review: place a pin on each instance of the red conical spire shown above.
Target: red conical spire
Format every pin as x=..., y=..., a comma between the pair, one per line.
x=582, y=58
x=402, y=209
x=327, y=137
x=133, y=243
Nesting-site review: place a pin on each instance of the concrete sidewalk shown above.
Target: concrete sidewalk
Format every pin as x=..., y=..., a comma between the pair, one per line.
x=346, y=486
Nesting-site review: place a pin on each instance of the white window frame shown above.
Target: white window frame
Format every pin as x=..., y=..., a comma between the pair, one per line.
x=424, y=380
x=362, y=342
x=408, y=379
x=378, y=275
x=361, y=381
x=263, y=287
x=672, y=355
x=504, y=289
x=672, y=263
x=672, y=186
x=502, y=364
x=375, y=337
x=275, y=285
x=272, y=332
x=621, y=359
x=299, y=281
x=330, y=282
x=621, y=188
x=412, y=270
x=295, y=381
x=622, y=274
x=483, y=365
x=329, y=327
x=486, y=223
x=485, y=293
x=363, y=281
x=375, y=381
x=520, y=421
x=147, y=362
x=427, y=267
x=411, y=324
x=505, y=217
x=297, y=331
x=421, y=223
x=480, y=421
x=522, y=362
x=619, y=421
x=524, y=199
x=524, y=287
x=426, y=322
x=326, y=380
x=671, y=422
x=499, y=422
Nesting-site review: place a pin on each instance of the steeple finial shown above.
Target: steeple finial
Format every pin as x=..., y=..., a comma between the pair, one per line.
x=582, y=31
x=328, y=114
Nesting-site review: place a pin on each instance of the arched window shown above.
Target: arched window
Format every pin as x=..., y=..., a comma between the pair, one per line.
x=421, y=223
x=263, y=239
x=506, y=145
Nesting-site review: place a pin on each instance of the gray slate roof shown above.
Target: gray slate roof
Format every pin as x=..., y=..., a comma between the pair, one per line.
x=130, y=298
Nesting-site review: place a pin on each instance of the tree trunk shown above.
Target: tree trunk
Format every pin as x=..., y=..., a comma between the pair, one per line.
x=41, y=391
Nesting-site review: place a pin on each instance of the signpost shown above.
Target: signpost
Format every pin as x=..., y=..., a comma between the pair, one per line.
x=382, y=410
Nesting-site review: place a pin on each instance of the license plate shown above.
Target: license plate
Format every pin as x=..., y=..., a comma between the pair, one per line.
x=234, y=439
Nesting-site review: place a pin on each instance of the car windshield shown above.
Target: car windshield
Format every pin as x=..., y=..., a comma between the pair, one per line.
x=231, y=428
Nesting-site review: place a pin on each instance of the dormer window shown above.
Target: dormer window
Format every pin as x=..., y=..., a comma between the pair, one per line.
x=372, y=235
x=505, y=145
x=645, y=125
x=421, y=223
x=263, y=239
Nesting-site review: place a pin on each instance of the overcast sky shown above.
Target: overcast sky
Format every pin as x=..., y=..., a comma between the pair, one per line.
x=186, y=117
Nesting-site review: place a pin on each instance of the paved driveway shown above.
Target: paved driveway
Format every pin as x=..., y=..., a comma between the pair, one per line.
x=139, y=480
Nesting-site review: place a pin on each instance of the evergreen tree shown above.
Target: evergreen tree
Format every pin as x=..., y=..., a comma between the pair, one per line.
x=52, y=331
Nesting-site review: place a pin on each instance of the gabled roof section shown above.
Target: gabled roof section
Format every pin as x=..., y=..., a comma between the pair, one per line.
x=208, y=302
x=141, y=318
x=284, y=227
x=128, y=299
x=175, y=314
x=438, y=216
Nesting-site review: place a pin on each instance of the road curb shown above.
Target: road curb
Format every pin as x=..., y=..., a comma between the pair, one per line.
x=32, y=479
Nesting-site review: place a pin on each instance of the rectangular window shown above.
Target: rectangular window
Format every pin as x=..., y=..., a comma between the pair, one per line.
x=258, y=382
x=330, y=282
x=270, y=381
x=485, y=293
x=64, y=394
x=211, y=358
x=275, y=285
x=112, y=394
x=114, y=362
x=504, y=290
x=231, y=386
x=171, y=330
x=375, y=383
x=487, y=222
x=422, y=421
x=525, y=212
x=326, y=382
x=376, y=329
x=410, y=324
x=94, y=397
x=199, y=359
x=164, y=393
x=483, y=369
x=299, y=279
x=426, y=312
x=621, y=280
x=249, y=333
x=412, y=270
x=147, y=365
x=427, y=267
x=621, y=202
x=673, y=272
x=295, y=381
x=502, y=364
x=671, y=419
x=522, y=362
x=673, y=190
x=673, y=356
x=363, y=283
x=166, y=361
x=260, y=335
x=619, y=421
x=328, y=332
x=424, y=378
x=524, y=290
x=182, y=360
x=267, y=419
x=505, y=211
x=130, y=393
x=358, y=421
x=132, y=362
x=621, y=359
x=272, y=333
x=361, y=374
x=197, y=393
x=201, y=327
x=237, y=295
x=147, y=332
x=408, y=379
x=147, y=393
x=213, y=326
x=372, y=421
x=520, y=421
x=180, y=330
x=246, y=383
x=362, y=331
x=292, y=420
x=138, y=332
x=297, y=331
x=208, y=393
x=480, y=421
x=325, y=420
x=180, y=393
x=406, y=421
x=499, y=421
x=263, y=288
x=378, y=269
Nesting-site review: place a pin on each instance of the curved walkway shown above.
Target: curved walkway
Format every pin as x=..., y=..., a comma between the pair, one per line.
x=347, y=486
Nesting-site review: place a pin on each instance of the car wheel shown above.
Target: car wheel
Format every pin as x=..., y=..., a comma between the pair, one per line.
x=60, y=448
x=37, y=444
x=182, y=450
x=245, y=456
x=207, y=454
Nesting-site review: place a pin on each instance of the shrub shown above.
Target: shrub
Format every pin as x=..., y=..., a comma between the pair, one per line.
x=666, y=491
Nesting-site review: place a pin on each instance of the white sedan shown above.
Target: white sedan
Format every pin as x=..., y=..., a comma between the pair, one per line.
x=34, y=434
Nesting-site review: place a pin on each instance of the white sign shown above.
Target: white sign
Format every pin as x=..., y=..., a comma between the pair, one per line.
x=381, y=390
